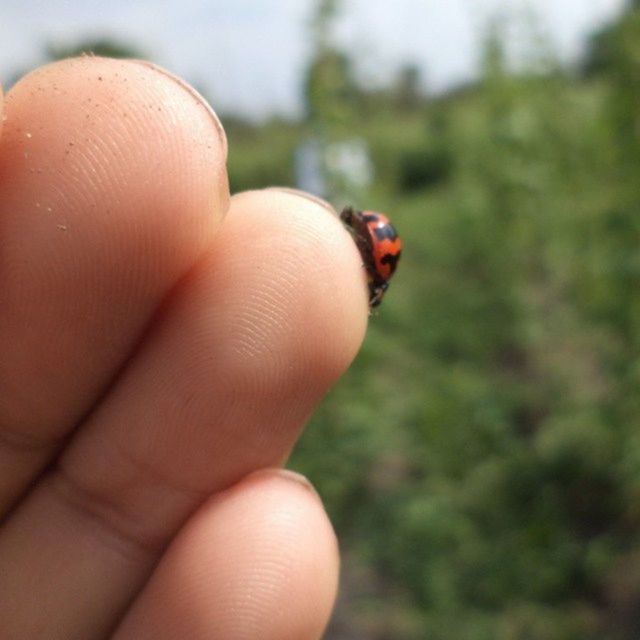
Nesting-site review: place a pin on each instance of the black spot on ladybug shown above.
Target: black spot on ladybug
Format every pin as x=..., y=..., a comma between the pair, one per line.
x=391, y=259
x=370, y=217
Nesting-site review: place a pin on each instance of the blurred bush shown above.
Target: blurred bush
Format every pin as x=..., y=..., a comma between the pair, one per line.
x=261, y=155
x=423, y=167
x=482, y=457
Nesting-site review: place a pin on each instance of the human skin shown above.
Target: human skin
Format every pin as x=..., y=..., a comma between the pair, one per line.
x=161, y=346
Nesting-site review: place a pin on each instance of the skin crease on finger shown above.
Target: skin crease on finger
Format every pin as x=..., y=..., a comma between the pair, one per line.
x=112, y=185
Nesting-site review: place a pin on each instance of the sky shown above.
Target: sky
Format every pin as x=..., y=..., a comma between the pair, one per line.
x=249, y=56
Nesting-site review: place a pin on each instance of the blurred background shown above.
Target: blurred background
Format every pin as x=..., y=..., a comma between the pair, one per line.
x=481, y=459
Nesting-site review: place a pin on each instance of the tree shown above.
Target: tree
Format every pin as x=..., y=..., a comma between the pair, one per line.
x=100, y=47
x=408, y=92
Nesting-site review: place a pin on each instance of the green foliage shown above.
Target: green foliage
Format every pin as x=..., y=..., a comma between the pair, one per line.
x=329, y=84
x=422, y=167
x=408, y=92
x=260, y=156
x=330, y=92
x=106, y=47
x=482, y=455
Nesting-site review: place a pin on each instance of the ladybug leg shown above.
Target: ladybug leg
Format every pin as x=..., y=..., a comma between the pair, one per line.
x=376, y=293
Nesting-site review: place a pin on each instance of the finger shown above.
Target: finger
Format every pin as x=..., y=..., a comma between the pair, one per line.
x=241, y=355
x=112, y=184
x=257, y=561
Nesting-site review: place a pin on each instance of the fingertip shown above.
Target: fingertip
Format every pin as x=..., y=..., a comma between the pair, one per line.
x=257, y=560
x=310, y=252
x=307, y=196
x=198, y=97
x=337, y=285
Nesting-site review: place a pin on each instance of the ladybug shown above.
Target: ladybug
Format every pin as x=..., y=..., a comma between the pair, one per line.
x=379, y=246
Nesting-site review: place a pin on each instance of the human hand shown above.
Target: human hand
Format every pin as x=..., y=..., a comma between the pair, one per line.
x=161, y=345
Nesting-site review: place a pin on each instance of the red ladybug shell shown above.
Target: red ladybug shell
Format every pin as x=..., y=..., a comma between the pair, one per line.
x=385, y=242
x=379, y=245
